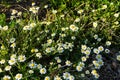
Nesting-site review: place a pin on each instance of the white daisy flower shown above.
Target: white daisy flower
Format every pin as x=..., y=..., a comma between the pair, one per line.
x=47, y=78
x=73, y=28
x=118, y=57
x=32, y=64
x=2, y=61
x=12, y=61
x=68, y=63
x=21, y=58
x=66, y=75
x=79, y=68
x=6, y=77
x=108, y=43
x=95, y=50
x=100, y=48
x=43, y=71
x=12, y=40
x=18, y=76
x=95, y=24
x=8, y=68
x=31, y=71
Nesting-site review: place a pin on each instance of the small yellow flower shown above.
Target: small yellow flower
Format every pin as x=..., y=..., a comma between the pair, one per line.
x=73, y=28
x=79, y=68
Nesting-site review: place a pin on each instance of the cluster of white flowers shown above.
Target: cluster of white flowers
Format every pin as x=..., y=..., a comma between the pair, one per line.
x=68, y=76
x=34, y=9
x=30, y=26
x=4, y=28
x=73, y=28
x=15, y=14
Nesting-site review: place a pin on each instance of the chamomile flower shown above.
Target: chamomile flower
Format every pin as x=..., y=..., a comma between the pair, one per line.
x=32, y=64
x=71, y=77
x=97, y=76
x=87, y=52
x=12, y=40
x=84, y=47
x=77, y=19
x=39, y=55
x=14, y=12
x=59, y=61
x=116, y=15
x=82, y=75
x=95, y=24
x=73, y=28
x=87, y=72
x=18, y=76
x=66, y=75
x=95, y=50
x=48, y=50
x=54, y=11
x=47, y=78
x=99, y=39
x=53, y=34
x=13, y=56
x=2, y=61
x=43, y=71
x=13, y=45
x=34, y=9
x=27, y=27
x=45, y=6
x=94, y=72
x=84, y=59
x=32, y=25
x=49, y=41
x=118, y=57
x=104, y=6
x=33, y=3
x=57, y=78
x=19, y=13
x=68, y=63
x=63, y=29
x=80, y=11
x=39, y=66
x=95, y=36
x=5, y=28
x=21, y=58
x=73, y=37
x=107, y=51
x=8, y=68
x=60, y=49
x=12, y=61
x=100, y=62
x=81, y=64
x=98, y=57
x=6, y=77
x=108, y=43
x=100, y=48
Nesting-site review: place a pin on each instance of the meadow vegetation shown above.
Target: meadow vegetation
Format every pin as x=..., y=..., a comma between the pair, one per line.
x=70, y=40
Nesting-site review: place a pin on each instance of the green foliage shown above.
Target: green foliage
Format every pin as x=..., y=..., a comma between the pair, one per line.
x=70, y=42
